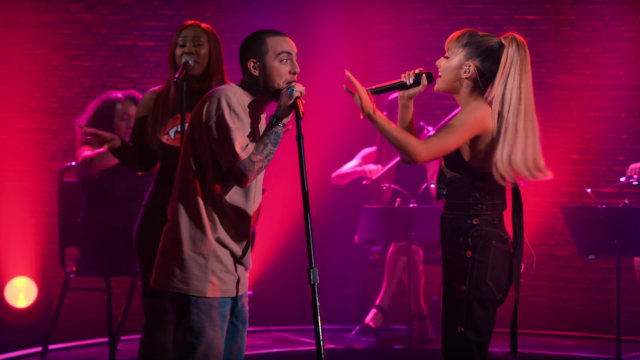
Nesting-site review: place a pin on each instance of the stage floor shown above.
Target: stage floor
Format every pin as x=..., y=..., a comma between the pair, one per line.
x=297, y=343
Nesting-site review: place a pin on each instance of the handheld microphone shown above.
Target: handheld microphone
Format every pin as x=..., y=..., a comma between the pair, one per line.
x=401, y=84
x=298, y=109
x=187, y=63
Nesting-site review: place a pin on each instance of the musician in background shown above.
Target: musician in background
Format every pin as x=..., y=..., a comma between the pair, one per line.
x=367, y=165
x=634, y=170
x=113, y=194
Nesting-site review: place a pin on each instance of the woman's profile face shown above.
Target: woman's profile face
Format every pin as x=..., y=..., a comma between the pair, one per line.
x=125, y=116
x=193, y=42
x=450, y=67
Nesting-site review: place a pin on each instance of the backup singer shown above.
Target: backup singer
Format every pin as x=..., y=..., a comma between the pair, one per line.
x=156, y=140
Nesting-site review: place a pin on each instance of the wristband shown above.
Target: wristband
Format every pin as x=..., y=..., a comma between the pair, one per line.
x=276, y=121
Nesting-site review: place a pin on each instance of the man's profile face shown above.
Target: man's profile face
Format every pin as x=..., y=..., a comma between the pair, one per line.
x=280, y=65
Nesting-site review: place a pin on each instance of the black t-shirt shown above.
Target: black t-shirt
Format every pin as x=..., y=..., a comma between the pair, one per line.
x=140, y=155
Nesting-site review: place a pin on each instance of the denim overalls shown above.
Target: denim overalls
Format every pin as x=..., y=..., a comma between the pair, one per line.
x=478, y=257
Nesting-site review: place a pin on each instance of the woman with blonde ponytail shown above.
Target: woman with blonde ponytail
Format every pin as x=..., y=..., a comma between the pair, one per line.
x=518, y=154
x=491, y=144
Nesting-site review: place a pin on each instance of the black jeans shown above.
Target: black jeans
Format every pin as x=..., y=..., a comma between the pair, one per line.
x=476, y=277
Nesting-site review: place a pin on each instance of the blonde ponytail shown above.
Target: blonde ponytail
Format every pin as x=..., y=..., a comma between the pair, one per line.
x=518, y=155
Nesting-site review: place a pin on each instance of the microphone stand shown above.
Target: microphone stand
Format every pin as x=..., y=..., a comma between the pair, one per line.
x=312, y=271
x=181, y=84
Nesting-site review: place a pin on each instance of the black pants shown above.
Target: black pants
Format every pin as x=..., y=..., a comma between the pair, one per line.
x=156, y=341
x=476, y=277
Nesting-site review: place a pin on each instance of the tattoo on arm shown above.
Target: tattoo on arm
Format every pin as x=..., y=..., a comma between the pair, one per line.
x=261, y=156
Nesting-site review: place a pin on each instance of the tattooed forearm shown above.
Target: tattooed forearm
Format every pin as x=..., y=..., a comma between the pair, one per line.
x=249, y=168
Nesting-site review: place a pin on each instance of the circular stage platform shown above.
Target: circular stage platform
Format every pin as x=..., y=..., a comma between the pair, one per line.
x=289, y=343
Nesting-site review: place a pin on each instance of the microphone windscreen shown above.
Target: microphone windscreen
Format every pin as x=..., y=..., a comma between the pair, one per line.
x=188, y=59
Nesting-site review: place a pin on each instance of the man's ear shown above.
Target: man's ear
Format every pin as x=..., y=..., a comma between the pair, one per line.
x=254, y=67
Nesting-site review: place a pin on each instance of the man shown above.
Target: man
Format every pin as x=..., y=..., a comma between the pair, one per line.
x=204, y=256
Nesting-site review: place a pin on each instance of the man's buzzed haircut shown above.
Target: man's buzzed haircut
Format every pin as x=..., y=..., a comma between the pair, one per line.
x=255, y=47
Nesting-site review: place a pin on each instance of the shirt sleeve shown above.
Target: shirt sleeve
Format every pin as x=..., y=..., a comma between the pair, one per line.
x=139, y=154
x=230, y=128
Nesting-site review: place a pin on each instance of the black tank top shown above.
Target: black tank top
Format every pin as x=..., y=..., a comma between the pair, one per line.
x=467, y=191
x=168, y=153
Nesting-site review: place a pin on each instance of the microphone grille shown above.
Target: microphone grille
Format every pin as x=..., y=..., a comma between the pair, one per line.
x=188, y=59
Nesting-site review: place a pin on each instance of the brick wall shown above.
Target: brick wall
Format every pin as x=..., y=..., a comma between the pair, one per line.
x=57, y=56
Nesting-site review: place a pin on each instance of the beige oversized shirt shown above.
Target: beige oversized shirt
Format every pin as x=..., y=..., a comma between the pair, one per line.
x=205, y=248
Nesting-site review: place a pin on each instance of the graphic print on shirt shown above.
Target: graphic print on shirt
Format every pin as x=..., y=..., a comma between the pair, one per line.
x=172, y=134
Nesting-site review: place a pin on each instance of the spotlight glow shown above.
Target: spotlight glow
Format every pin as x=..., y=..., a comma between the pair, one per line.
x=20, y=292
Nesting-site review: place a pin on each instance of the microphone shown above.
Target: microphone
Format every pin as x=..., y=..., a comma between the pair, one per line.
x=298, y=109
x=400, y=84
x=187, y=63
